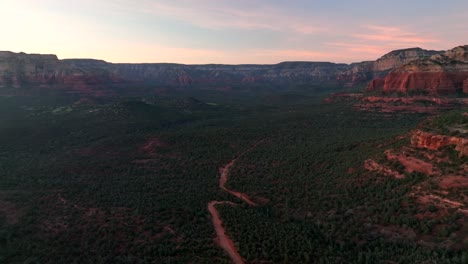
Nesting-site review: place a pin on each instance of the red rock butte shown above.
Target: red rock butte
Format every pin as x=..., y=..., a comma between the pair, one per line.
x=445, y=73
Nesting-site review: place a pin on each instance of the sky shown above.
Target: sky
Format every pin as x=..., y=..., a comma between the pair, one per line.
x=230, y=31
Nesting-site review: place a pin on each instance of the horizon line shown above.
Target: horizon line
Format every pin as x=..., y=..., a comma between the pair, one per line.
x=212, y=63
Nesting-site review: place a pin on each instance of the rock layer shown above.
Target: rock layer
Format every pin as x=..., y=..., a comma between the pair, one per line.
x=431, y=141
x=440, y=74
x=368, y=70
x=20, y=70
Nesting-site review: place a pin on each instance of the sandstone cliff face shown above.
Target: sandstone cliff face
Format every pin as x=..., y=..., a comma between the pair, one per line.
x=46, y=71
x=19, y=70
x=368, y=70
x=431, y=141
x=398, y=58
x=440, y=74
x=433, y=83
x=35, y=71
x=458, y=53
x=287, y=72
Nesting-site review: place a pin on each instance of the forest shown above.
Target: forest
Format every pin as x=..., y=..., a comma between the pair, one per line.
x=128, y=180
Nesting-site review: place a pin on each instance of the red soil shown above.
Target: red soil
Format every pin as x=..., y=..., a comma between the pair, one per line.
x=222, y=183
x=434, y=198
x=411, y=163
x=371, y=165
x=454, y=182
x=223, y=240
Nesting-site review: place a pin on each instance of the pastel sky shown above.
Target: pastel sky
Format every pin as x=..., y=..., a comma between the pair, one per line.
x=230, y=31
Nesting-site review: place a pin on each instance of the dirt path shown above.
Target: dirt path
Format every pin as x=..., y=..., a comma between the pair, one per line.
x=222, y=183
x=223, y=240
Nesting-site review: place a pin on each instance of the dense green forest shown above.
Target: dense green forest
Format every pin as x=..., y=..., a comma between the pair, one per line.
x=128, y=180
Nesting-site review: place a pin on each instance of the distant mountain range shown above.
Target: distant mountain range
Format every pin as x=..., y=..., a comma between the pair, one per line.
x=398, y=71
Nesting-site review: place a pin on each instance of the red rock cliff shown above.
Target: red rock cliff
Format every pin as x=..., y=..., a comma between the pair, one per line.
x=430, y=82
x=440, y=74
x=364, y=71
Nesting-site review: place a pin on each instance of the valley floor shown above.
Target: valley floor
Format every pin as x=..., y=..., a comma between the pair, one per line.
x=154, y=180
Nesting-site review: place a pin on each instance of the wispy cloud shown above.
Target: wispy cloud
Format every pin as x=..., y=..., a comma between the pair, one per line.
x=393, y=35
x=369, y=42
x=149, y=52
x=241, y=14
x=223, y=31
x=278, y=55
x=360, y=47
x=158, y=53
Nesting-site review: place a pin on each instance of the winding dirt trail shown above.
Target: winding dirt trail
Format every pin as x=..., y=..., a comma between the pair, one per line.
x=223, y=240
x=222, y=183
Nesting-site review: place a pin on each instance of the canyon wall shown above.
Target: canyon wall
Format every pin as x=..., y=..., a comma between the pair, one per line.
x=445, y=73
x=368, y=70
x=35, y=71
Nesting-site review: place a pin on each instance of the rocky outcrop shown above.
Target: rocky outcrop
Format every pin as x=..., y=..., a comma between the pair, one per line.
x=458, y=54
x=46, y=71
x=411, y=163
x=371, y=165
x=21, y=73
x=399, y=58
x=431, y=141
x=19, y=70
x=445, y=73
x=368, y=70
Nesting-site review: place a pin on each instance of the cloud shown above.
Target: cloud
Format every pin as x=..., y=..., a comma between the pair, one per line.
x=278, y=55
x=369, y=42
x=258, y=31
x=240, y=14
x=359, y=47
x=159, y=53
x=133, y=52
x=208, y=16
x=393, y=35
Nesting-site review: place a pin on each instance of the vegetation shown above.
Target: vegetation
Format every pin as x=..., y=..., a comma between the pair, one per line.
x=128, y=180
x=452, y=123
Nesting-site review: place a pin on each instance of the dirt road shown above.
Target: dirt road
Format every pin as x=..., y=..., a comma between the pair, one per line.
x=222, y=183
x=223, y=240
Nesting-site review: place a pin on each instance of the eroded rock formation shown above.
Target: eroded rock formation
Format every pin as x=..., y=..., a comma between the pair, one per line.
x=19, y=70
x=368, y=70
x=445, y=73
x=431, y=141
